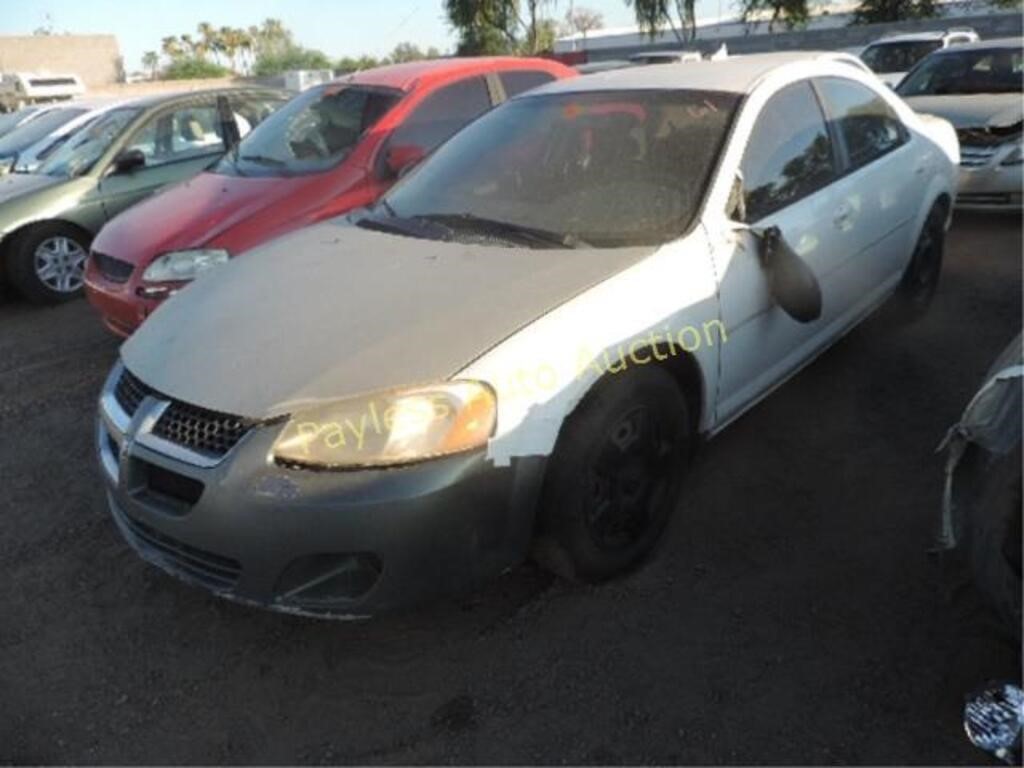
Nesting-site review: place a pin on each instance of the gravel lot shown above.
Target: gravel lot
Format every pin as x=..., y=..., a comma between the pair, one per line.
x=793, y=615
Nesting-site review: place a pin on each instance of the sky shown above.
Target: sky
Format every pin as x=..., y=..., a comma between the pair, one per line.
x=337, y=27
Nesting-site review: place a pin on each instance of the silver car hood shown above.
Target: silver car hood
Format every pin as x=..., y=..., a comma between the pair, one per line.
x=334, y=310
x=982, y=110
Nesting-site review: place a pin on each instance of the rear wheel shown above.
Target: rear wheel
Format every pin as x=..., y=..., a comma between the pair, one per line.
x=615, y=476
x=46, y=262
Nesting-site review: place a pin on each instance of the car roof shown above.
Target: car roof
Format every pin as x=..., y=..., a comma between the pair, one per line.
x=984, y=45
x=407, y=76
x=736, y=74
x=156, y=100
x=910, y=37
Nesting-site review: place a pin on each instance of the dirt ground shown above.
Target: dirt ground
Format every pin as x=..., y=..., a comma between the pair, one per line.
x=792, y=615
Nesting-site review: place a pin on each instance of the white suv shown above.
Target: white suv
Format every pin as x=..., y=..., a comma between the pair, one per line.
x=892, y=57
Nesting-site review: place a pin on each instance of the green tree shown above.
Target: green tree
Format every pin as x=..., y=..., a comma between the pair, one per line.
x=171, y=46
x=151, y=61
x=295, y=57
x=484, y=26
x=792, y=12
x=873, y=11
x=652, y=15
x=582, y=20
x=193, y=68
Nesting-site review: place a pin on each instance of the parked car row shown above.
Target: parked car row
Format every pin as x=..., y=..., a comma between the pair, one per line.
x=332, y=419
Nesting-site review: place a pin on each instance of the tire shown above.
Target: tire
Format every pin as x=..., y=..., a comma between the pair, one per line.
x=615, y=476
x=992, y=544
x=46, y=262
x=921, y=278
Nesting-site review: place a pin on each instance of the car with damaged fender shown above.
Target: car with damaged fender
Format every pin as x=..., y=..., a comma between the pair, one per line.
x=519, y=347
x=979, y=88
x=48, y=218
x=336, y=147
x=893, y=56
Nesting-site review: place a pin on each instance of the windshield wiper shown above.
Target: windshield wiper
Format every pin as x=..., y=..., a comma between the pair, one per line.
x=505, y=229
x=264, y=160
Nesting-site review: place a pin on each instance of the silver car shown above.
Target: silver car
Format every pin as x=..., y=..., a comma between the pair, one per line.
x=977, y=87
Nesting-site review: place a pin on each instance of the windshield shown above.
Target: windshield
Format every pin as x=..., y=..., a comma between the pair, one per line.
x=82, y=150
x=12, y=119
x=26, y=135
x=311, y=133
x=995, y=70
x=898, y=57
x=603, y=169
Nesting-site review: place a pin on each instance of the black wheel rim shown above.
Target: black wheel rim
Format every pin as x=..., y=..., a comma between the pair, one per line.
x=924, y=271
x=628, y=479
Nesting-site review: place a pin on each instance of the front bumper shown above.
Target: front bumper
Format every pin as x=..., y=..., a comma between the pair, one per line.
x=122, y=310
x=991, y=187
x=338, y=544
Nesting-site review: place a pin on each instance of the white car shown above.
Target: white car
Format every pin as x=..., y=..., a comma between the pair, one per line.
x=521, y=345
x=892, y=57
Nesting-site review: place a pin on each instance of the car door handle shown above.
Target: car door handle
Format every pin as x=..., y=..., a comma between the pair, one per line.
x=922, y=165
x=842, y=216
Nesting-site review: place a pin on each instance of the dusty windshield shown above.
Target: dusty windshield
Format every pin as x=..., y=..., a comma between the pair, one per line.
x=604, y=169
x=311, y=133
x=81, y=152
x=964, y=72
x=898, y=57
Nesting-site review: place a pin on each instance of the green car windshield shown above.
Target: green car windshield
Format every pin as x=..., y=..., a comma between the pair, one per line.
x=80, y=153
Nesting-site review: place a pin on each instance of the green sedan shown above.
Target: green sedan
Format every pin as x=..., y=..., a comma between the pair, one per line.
x=48, y=218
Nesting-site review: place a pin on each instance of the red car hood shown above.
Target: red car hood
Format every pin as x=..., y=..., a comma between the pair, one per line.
x=229, y=212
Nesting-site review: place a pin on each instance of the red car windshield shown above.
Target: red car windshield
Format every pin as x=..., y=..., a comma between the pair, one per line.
x=311, y=133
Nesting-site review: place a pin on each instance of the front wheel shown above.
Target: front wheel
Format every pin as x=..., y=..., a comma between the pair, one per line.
x=921, y=277
x=46, y=262
x=615, y=476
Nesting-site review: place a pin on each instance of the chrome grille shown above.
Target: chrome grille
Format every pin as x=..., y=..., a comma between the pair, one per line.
x=198, y=429
x=975, y=157
x=130, y=392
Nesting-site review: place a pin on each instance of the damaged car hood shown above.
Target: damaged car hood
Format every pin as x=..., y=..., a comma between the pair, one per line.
x=334, y=310
x=982, y=110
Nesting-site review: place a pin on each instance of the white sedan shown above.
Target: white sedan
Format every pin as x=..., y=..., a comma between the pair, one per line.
x=520, y=346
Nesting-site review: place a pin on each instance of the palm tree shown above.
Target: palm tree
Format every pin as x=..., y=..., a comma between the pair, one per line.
x=208, y=38
x=227, y=42
x=151, y=61
x=171, y=46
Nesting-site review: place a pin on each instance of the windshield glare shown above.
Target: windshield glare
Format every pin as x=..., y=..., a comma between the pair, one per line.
x=966, y=72
x=85, y=147
x=26, y=135
x=898, y=57
x=607, y=169
x=311, y=133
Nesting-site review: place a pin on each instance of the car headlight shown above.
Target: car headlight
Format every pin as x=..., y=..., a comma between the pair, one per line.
x=180, y=266
x=389, y=428
x=1016, y=155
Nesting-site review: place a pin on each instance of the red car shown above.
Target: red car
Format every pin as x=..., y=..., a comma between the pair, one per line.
x=329, y=150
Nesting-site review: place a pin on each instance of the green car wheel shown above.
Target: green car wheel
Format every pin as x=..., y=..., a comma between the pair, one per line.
x=46, y=262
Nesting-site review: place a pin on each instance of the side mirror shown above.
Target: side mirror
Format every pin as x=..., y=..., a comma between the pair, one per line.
x=399, y=159
x=128, y=160
x=791, y=282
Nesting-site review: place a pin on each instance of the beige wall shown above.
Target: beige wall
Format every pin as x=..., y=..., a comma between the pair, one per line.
x=94, y=58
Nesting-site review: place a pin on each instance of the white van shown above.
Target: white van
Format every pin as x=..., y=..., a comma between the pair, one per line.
x=19, y=89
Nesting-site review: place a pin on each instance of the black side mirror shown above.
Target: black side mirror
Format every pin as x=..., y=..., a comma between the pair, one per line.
x=128, y=160
x=790, y=280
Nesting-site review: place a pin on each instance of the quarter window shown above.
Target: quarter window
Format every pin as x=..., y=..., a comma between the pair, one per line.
x=520, y=80
x=789, y=155
x=442, y=114
x=869, y=127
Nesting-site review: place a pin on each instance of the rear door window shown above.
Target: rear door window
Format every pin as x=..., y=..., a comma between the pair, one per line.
x=789, y=155
x=443, y=113
x=868, y=126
